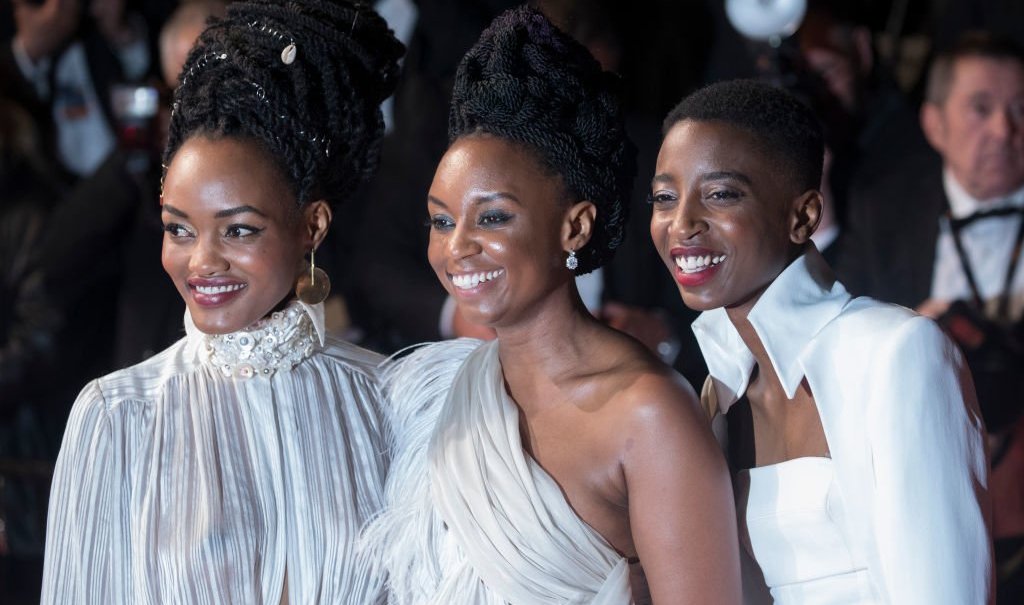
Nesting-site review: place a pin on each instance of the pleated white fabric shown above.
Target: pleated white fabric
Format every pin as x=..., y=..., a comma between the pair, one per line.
x=203, y=477
x=471, y=518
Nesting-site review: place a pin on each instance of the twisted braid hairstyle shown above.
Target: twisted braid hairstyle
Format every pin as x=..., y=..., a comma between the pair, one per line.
x=788, y=130
x=528, y=82
x=303, y=79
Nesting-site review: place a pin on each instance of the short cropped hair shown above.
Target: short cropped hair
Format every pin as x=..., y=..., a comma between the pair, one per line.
x=972, y=44
x=785, y=127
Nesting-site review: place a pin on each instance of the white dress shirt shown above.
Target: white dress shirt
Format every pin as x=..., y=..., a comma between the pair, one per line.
x=988, y=244
x=218, y=469
x=900, y=418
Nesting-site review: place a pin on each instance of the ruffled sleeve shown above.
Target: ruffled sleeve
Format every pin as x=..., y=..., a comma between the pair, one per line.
x=927, y=446
x=85, y=519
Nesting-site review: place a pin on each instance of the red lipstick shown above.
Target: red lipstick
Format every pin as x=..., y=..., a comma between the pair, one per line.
x=694, y=278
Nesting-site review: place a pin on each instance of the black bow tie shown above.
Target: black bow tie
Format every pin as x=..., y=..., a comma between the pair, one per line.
x=960, y=223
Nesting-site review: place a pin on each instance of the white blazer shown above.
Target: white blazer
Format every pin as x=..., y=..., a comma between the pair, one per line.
x=898, y=409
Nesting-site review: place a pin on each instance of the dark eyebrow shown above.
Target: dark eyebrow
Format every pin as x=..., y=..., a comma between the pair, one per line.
x=172, y=210
x=222, y=214
x=238, y=210
x=484, y=198
x=723, y=175
x=661, y=178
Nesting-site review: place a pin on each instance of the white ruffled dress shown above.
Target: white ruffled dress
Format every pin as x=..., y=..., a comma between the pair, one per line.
x=221, y=471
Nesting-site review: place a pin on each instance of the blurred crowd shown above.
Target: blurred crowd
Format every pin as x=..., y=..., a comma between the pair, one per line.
x=922, y=101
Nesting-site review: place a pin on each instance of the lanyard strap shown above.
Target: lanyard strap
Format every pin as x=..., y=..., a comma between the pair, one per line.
x=1003, y=309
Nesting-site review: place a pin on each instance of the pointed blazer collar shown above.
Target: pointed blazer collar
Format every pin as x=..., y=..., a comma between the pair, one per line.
x=790, y=313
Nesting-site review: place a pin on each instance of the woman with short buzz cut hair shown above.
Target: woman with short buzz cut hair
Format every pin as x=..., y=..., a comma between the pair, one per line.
x=859, y=450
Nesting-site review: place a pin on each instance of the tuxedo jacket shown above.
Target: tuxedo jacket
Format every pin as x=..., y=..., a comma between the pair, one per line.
x=889, y=252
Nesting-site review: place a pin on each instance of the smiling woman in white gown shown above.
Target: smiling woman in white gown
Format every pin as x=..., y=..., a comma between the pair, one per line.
x=238, y=465
x=561, y=462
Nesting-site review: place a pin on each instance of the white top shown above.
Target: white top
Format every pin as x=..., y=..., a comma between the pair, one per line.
x=899, y=413
x=792, y=521
x=219, y=468
x=988, y=244
x=472, y=519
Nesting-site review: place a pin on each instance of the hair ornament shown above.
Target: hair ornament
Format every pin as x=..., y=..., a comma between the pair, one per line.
x=201, y=63
x=289, y=51
x=315, y=109
x=288, y=54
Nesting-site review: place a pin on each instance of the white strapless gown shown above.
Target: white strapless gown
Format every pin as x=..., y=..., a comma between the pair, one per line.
x=791, y=519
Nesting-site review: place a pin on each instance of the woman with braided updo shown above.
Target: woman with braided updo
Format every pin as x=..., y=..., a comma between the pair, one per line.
x=238, y=465
x=561, y=462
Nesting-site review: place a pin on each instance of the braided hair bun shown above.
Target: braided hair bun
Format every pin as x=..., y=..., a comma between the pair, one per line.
x=304, y=79
x=527, y=81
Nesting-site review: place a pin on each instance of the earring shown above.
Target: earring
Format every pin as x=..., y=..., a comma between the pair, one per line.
x=570, y=262
x=312, y=288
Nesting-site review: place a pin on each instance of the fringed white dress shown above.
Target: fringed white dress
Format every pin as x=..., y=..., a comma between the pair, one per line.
x=471, y=518
x=221, y=471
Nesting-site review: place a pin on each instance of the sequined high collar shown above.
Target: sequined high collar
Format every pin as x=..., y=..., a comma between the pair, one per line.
x=273, y=344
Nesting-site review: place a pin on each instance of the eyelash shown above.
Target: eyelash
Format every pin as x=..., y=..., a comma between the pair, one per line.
x=239, y=227
x=724, y=194
x=178, y=231
x=440, y=222
x=660, y=198
x=720, y=195
x=494, y=218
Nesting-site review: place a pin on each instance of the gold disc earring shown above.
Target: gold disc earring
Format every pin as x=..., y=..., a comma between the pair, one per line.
x=313, y=288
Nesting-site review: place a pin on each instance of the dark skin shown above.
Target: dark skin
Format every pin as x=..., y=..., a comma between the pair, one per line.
x=719, y=189
x=620, y=433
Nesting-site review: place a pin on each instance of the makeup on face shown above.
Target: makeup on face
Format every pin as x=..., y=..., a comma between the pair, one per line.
x=495, y=217
x=232, y=242
x=720, y=219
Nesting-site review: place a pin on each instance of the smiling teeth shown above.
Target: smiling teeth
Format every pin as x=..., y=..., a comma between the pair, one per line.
x=467, y=281
x=218, y=289
x=696, y=264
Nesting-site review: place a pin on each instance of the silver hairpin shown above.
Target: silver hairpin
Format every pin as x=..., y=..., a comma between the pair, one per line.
x=200, y=63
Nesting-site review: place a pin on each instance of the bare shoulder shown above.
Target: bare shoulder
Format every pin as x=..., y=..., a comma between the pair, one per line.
x=649, y=402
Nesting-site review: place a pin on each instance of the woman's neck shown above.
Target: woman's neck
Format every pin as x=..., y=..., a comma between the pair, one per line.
x=753, y=341
x=548, y=345
x=739, y=316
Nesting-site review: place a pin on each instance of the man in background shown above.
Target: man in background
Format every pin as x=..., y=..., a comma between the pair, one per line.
x=951, y=249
